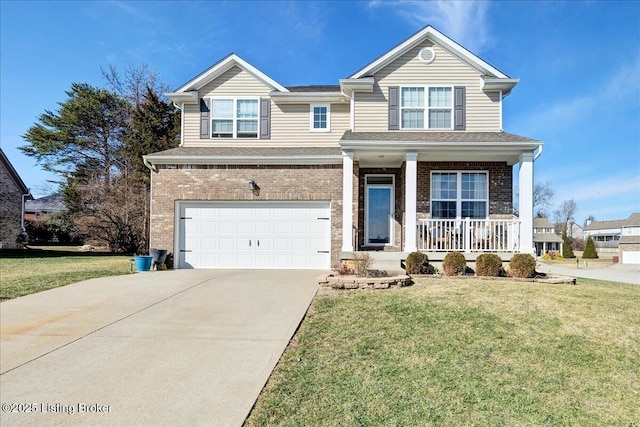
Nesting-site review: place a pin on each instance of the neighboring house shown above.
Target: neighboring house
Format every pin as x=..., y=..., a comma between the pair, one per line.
x=607, y=234
x=629, y=243
x=545, y=238
x=38, y=209
x=13, y=193
x=575, y=231
x=408, y=153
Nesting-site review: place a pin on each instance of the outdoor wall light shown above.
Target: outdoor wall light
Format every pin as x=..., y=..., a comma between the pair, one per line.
x=252, y=185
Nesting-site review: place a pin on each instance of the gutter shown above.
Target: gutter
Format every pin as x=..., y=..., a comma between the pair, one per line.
x=148, y=164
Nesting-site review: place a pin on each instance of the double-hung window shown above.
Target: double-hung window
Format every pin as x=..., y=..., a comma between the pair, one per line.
x=320, y=118
x=234, y=118
x=429, y=107
x=459, y=195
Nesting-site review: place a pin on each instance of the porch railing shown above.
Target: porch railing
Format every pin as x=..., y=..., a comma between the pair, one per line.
x=469, y=235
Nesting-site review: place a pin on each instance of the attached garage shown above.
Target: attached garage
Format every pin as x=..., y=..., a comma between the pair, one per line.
x=253, y=235
x=630, y=257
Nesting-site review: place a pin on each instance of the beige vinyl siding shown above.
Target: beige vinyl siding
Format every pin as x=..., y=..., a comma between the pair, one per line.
x=291, y=124
x=235, y=82
x=482, y=109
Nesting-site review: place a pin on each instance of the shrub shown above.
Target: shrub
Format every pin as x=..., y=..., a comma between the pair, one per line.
x=552, y=256
x=522, y=265
x=454, y=264
x=417, y=263
x=343, y=269
x=489, y=265
x=590, y=250
x=362, y=264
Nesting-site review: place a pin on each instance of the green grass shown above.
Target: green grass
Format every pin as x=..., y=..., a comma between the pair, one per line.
x=462, y=352
x=27, y=272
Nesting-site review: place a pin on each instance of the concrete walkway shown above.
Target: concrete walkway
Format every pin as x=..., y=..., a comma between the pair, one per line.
x=188, y=347
x=623, y=273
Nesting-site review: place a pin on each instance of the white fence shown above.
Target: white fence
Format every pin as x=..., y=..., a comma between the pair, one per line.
x=469, y=235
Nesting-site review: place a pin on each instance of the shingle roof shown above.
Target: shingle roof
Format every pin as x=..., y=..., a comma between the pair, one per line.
x=546, y=237
x=453, y=136
x=248, y=151
x=629, y=239
x=51, y=203
x=314, y=88
x=634, y=219
x=542, y=222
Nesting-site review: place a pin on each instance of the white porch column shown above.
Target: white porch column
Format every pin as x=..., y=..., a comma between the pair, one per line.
x=526, y=203
x=410, y=197
x=347, y=202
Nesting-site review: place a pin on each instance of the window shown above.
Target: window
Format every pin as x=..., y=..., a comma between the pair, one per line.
x=433, y=111
x=459, y=195
x=320, y=118
x=234, y=118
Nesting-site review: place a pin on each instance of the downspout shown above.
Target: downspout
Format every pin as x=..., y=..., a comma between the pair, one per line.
x=351, y=108
x=22, y=211
x=538, y=154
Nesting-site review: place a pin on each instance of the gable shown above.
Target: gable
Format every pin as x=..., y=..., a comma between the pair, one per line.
x=445, y=69
x=235, y=82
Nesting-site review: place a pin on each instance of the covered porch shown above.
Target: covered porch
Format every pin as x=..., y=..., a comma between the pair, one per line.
x=420, y=219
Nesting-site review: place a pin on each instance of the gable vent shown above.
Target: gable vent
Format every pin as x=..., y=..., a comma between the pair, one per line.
x=427, y=55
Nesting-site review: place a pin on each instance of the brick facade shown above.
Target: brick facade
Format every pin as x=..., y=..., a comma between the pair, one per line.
x=230, y=183
x=500, y=193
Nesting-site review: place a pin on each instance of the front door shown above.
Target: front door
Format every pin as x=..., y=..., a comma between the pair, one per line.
x=379, y=210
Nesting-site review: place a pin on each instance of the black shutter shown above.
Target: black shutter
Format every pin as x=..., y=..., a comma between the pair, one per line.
x=394, y=108
x=265, y=118
x=459, y=108
x=205, y=123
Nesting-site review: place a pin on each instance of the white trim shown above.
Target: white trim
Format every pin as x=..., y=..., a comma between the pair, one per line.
x=459, y=198
x=426, y=107
x=312, y=114
x=500, y=107
x=181, y=124
x=392, y=207
x=525, y=208
x=224, y=65
x=234, y=119
x=439, y=39
x=410, y=200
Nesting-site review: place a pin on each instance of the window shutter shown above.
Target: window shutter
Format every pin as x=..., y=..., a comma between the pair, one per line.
x=394, y=109
x=205, y=123
x=459, y=107
x=265, y=118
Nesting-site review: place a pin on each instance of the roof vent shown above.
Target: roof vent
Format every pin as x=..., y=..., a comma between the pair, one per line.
x=427, y=55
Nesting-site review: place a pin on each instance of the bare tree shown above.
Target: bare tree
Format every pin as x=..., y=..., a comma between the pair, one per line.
x=564, y=214
x=542, y=199
x=132, y=83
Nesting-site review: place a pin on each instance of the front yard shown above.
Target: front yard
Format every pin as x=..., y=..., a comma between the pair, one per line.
x=462, y=352
x=27, y=272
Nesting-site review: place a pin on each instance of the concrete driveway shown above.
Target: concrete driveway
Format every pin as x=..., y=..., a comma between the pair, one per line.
x=623, y=273
x=187, y=347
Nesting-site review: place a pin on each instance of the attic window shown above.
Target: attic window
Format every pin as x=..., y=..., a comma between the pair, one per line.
x=427, y=55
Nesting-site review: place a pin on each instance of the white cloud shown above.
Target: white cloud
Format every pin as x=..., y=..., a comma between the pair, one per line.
x=463, y=21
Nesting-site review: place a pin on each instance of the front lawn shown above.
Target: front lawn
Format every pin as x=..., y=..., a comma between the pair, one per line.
x=30, y=271
x=462, y=352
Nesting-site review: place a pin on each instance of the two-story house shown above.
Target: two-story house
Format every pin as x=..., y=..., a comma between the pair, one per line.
x=408, y=153
x=545, y=238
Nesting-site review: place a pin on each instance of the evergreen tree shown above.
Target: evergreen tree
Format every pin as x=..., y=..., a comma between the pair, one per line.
x=154, y=126
x=567, y=252
x=590, y=249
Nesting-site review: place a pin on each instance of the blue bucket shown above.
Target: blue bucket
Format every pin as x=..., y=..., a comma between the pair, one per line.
x=143, y=262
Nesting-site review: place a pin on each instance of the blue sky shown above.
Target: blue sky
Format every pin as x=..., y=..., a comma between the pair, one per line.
x=578, y=65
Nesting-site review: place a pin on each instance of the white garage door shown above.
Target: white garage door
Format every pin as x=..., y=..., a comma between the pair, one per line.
x=285, y=235
x=631, y=257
